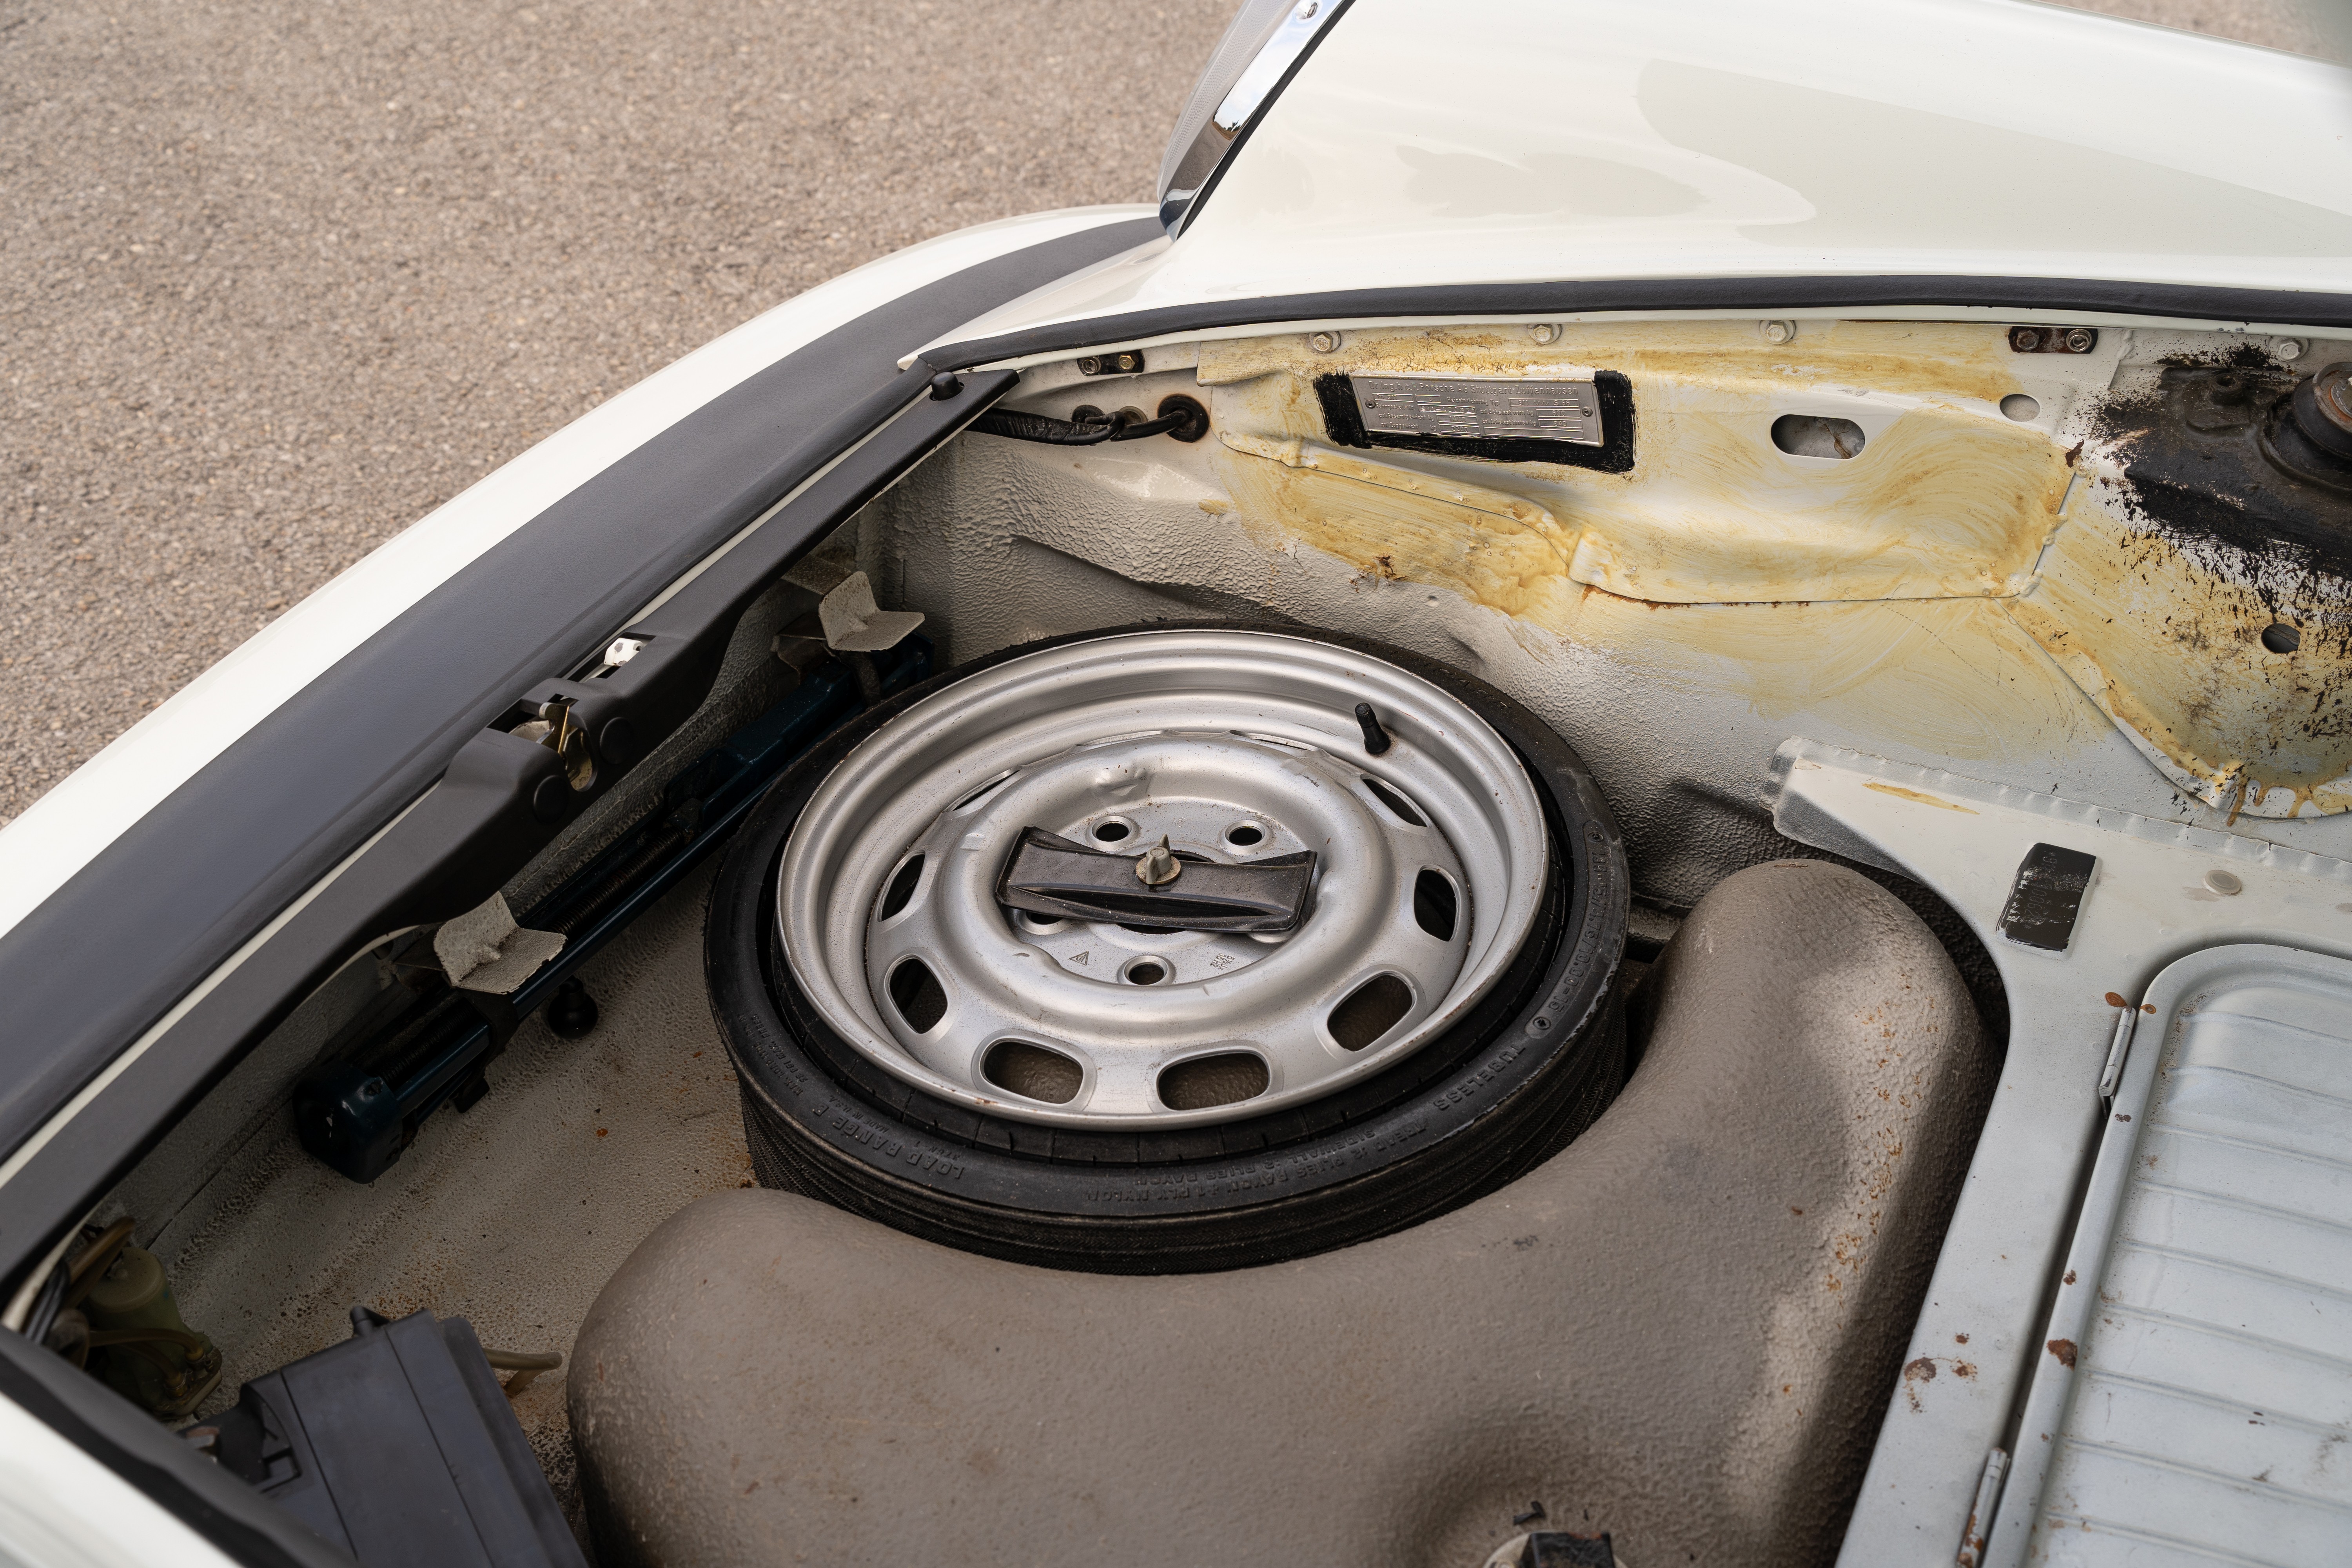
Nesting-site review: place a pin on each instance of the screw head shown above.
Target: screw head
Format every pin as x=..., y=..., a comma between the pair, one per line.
x=1323, y=343
x=1544, y=333
x=1779, y=331
x=2288, y=349
x=2025, y=340
x=1089, y=364
x=2081, y=340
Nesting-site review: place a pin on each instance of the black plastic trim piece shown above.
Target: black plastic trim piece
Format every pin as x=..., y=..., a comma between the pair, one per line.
x=2090, y=296
x=175, y=1478
x=136, y=930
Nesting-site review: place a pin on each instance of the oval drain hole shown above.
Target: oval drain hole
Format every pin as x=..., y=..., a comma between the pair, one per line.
x=1032, y=1072
x=1370, y=1011
x=915, y=991
x=1399, y=808
x=1817, y=436
x=901, y=888
x=1434, y=905
x=1206, y=1083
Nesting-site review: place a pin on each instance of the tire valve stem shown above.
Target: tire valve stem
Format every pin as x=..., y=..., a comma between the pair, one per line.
x=1159, y=866
x=1376, y=740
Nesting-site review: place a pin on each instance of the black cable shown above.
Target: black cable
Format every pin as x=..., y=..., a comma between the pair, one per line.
x=1040, y=427
x=1074, y=433
x=46, y=1305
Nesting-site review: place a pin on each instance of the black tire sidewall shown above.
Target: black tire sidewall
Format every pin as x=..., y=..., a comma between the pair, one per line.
x=1476, y=1098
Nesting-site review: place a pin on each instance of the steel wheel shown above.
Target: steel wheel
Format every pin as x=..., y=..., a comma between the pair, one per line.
x=1370, y=979
x=1236, y=747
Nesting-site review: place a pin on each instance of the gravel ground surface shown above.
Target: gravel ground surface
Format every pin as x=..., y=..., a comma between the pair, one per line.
x=275, y=279
x=280, y=277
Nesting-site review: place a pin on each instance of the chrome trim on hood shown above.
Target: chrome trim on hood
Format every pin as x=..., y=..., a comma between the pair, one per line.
x=1261, y=50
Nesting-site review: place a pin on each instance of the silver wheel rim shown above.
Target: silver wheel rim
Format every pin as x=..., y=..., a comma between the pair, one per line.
x=1208, y=737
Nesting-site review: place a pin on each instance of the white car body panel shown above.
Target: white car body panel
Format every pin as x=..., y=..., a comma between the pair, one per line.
x=1426, y=144
x=60, y=1508
x=64, y=829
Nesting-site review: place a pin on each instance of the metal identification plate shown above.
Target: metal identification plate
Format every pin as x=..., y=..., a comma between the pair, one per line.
x=1489, y=410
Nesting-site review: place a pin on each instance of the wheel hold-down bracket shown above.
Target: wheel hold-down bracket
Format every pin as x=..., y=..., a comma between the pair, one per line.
x=1049, y=875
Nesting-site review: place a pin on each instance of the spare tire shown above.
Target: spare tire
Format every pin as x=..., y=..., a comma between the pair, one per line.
x=968, y=997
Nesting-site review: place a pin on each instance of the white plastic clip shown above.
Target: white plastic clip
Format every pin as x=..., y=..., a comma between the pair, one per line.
x=485, y=950
x=852, y=622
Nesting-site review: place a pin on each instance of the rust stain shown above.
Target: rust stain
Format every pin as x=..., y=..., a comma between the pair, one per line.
x=1924, y=593
x=1391, y=532
x=1944, y=502
x=1952, y=676
x=2168, y=642
x=1915, y=1373
x=1947, y=499
x=2116, y=1001
x=1918, y=358
x=2064, y=1350
x=1913, y=794
x=2070, y=1277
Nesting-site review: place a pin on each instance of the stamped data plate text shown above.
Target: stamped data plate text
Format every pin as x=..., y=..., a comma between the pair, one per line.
x=1488, y=410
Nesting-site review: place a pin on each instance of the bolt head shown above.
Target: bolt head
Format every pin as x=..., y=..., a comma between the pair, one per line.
x=2288, y=349
x=1779, y=331
x=1089, y=364
x=1323, y=343
x=1544, y=333
x=2081, y=340
x=2025, y=340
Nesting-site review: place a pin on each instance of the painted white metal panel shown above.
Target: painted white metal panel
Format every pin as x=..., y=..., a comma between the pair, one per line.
x=2193, y=1397
x=61, y=1509
x=65, y=828
x=1430, y=143
x=1979, y=1339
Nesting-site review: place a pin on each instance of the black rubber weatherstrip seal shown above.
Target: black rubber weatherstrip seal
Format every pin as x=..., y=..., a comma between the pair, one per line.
x=240, y=1521
x=1763, y=295
x=135, y=930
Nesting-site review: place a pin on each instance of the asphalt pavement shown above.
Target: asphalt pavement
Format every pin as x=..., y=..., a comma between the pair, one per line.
x=277, y=279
